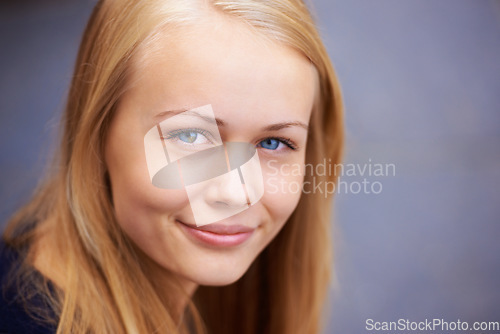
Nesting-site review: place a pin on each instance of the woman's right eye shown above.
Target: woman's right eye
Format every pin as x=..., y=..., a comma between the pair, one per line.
x=189, y=136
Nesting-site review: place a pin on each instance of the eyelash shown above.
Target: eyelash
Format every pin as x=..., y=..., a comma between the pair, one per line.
x=287, y=141
x=173, y=134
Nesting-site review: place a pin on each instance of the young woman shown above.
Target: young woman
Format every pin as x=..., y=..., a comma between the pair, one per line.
x=103, y=248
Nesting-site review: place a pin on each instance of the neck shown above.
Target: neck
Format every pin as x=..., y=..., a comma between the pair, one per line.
x=189, y=288
x=176, y=291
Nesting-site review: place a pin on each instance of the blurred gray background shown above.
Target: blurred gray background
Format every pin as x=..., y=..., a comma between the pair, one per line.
x=421, y=82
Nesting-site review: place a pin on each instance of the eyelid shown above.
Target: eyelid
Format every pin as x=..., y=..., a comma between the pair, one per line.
x=173, y=133
x=289, y=143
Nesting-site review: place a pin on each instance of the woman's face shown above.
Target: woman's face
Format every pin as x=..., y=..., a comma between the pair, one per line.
x=261, y=93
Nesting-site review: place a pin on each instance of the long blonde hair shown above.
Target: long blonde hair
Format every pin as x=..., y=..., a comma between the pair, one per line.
x=106, y=288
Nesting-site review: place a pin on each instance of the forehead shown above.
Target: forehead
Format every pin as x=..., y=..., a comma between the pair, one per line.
x=224, y=62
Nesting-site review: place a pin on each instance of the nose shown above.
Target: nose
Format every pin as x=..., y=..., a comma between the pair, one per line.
x=217, y=198
x=220, y=183
x=226, y=192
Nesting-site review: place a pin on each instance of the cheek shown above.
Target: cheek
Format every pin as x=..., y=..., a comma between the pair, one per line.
x=282, y=190
x=146, y=204
x=140, y=207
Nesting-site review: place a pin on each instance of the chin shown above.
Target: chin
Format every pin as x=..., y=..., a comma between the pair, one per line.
x=219, y=277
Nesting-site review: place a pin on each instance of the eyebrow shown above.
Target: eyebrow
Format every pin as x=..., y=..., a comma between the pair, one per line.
x=283, y=125
x=219, y=122
x=171, y=113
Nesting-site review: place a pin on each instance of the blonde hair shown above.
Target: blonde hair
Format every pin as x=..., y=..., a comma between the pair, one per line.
x=107, y=287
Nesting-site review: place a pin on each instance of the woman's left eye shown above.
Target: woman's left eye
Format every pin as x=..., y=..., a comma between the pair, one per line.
x=276, y=143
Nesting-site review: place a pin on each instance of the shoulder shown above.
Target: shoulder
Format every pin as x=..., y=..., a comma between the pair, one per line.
x=14, y=318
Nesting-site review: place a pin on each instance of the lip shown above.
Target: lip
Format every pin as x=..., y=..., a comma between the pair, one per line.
x=218, y=235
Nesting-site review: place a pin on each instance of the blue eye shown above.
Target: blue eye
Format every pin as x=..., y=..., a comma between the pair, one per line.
x=188, y=136
x=277, y=144
x=270, y=143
